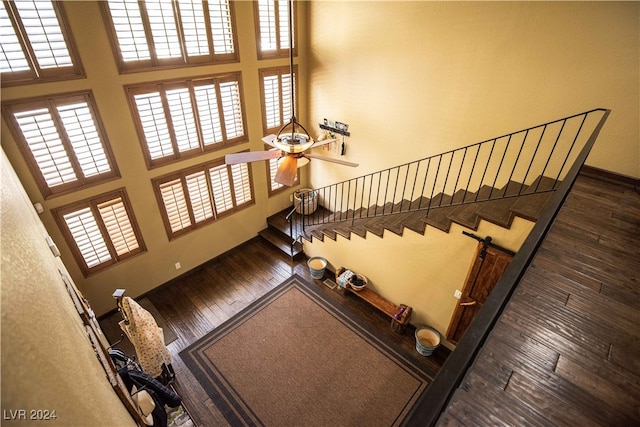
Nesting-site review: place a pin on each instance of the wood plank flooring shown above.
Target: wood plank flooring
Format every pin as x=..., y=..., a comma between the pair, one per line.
x=202, y=299
x=566, y=350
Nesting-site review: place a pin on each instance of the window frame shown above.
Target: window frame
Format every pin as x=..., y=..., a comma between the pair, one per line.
x=155, y=63
x=92, y=203
x=276, y=71
x=181, y=175
x=280, y=51
x=9, y=108
x=161, y=86
x=35, y=74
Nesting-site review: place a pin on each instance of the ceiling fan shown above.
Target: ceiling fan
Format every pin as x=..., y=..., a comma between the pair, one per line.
x=290, y=145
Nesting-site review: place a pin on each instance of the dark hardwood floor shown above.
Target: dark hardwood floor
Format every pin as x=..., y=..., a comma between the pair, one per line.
x=566, y=350
x=199, y=301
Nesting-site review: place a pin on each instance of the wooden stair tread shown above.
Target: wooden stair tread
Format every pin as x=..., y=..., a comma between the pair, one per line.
x=282, y=243
x=499, y=211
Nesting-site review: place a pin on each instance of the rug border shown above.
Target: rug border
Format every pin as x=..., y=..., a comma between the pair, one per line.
x=232, y=406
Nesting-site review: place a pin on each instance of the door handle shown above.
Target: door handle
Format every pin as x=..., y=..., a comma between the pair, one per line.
x=467, y=303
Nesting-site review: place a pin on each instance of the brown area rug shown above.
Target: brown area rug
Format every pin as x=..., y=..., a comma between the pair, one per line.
x=296, y=357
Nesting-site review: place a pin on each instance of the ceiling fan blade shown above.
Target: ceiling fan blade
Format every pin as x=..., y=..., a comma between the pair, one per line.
x=332, y=160
x=251, y=156
x=269, y=140
x=323, y=142
x=287, y=170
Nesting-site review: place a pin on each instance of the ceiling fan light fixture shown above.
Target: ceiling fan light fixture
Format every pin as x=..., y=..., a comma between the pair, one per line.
x=293, y=142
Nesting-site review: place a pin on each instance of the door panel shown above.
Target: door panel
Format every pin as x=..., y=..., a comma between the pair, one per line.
x=488, y=265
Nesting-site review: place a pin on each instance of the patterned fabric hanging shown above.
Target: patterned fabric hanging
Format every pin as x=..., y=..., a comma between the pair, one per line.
x=145, y=335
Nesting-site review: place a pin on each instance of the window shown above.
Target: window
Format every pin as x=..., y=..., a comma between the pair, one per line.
x=170, y=33
x=275, y=96
x=272, y=28
x=197, y=196
x=100, y=231
x=36, y=43
x=275, y=91
x=63, y=141
x=186, y=118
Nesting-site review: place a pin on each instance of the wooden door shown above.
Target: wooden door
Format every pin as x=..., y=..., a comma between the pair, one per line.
x=488, y=265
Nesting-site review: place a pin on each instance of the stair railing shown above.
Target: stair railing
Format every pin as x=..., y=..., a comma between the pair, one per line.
x=502, y=167
x=432, y=403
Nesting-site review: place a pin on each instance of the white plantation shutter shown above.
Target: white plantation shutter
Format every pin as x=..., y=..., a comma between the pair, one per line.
x=13, y=58
x=283, y=29
x=272, y=104
x=195, y=27
x=175, y=205
x=231, y=108
x=129, y=30
x=181, y=31
x=182, y=119
x=286, y=95
x=222, y=195
x=191, y=198
x=43, y=139
x=273, y=28
x=154, y=125
x=221, y=26
x=267, y=25
x=84, y=137
x=85, y=232
x=276, y=96
x=241, y=183
x=204, y=114
x=62, y=141
x=45, y=35
x=163, y=28
x=116, y=220
x=207, y=104
x=102, y=230
x=199, y=196
x=36, y=45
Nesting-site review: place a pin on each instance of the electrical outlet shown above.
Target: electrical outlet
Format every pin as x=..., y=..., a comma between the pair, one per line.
x=457, y=294
x=178, y=266
x=291, y=197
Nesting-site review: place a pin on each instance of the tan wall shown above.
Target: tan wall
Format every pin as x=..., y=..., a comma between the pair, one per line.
x=48, y=362
x=157, y=265
x=422, y=271
x=414, y=79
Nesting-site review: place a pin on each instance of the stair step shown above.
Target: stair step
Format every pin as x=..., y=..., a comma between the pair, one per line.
x=499, y=211
x=467, y=214
x=438, y=214
x=281, y=242
x=529, y=206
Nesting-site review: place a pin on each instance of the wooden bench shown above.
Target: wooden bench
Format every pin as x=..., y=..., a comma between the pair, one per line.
x=399, y=314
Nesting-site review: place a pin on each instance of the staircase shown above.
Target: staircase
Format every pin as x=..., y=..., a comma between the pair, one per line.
x=464, y=208
x=494, y=180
